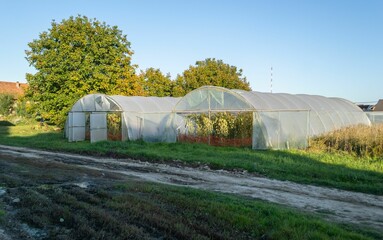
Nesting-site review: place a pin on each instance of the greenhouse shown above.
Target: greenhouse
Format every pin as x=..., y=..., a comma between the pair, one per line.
x=375, y=117
x=212, y=115
x=220, y=116
x=98, y=117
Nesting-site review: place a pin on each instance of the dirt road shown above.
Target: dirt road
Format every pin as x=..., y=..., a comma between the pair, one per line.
x=343, y=206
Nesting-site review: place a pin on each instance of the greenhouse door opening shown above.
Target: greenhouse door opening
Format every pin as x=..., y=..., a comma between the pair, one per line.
x=114, y=126
x=87, y=126
x=94, y=126
x=218, y=129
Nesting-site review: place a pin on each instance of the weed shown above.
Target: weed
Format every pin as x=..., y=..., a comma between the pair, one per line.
x=361, y=141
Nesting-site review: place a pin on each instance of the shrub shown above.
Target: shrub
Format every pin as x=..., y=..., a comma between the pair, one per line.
x=6, y=104
x=23, y=107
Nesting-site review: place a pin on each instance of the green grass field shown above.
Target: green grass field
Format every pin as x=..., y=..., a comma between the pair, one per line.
x=338, y=170
x=145, y=210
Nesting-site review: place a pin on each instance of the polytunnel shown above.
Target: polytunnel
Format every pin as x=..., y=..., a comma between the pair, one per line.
x=220, y=116
x=99, y=117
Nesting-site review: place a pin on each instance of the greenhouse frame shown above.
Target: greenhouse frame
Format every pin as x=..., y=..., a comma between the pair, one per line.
x=277, y=120
x=213, y=115
x=99, y=117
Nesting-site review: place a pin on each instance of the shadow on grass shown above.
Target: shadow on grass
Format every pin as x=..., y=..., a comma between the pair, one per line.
x=4, y=127
x=6, y=123
x=343, y=172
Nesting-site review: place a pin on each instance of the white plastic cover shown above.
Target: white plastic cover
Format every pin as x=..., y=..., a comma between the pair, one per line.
x=76, y=126
x=281, y=120
x=98, y=127
x=142, y=117
x=375, y=117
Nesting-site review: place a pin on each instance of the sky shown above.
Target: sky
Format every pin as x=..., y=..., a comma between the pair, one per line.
x=322, y=47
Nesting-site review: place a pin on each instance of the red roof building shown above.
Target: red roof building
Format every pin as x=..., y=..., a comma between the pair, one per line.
x=14, y=88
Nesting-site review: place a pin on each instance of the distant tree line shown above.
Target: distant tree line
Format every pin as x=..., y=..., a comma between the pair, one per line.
x=80, y=56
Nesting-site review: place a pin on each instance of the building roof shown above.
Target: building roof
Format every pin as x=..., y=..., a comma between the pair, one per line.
x=379, y=105
x=14, y=88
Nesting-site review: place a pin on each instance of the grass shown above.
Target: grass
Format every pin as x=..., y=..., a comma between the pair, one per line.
x=117, y=208
x=361, y=141
x=335, y=169
x=2, y=213
x=121, y=209
x=338, y=170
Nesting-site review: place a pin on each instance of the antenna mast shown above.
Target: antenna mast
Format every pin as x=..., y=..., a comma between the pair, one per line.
x=271, y=80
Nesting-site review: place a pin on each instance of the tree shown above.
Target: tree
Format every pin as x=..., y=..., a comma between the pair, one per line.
x=210, y=72
x=76, y=57
x=157, y=84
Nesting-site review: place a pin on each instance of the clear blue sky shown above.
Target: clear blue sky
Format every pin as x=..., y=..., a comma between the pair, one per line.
x=324, y=47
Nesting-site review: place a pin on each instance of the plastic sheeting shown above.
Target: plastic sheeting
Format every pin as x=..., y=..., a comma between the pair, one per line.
x=141, y=118
x=280, y=120
x=375, y=117
x=276, y=120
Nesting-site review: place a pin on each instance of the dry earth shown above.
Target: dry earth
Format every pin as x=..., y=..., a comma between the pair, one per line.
x=333, y=204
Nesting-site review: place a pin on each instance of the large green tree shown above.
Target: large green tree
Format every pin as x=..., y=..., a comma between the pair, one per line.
x=210, y=72
x=155, y=83
x=76, y=57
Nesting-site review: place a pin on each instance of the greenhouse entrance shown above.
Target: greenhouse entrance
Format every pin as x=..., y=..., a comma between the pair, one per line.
x=114, y=126
x=95, y=126
x=223, y=117
x=99, y=117
x=218, y=128
x=220, y=116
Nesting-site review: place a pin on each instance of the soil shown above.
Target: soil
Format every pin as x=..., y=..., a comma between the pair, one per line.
x=342, y=206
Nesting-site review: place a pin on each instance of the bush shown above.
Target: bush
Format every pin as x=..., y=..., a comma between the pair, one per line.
x=22, y=108
x=6, y=104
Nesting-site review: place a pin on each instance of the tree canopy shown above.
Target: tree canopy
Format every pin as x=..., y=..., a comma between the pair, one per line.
x=156, y=83
x=210, y=72
x=76, y=57
x=80, y=56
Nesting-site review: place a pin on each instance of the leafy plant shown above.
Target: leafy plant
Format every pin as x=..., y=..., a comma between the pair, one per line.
x=199, y=125
x=114, y=126
x=6, y=104
x=24, y=108
x=222, y=125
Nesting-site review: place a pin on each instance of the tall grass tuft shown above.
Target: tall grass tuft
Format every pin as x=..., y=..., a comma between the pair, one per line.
x=360, y=141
